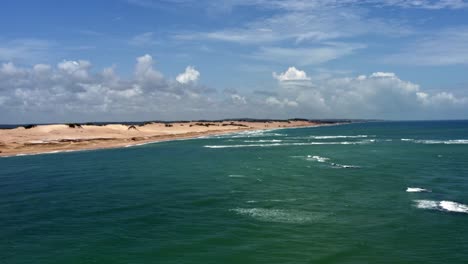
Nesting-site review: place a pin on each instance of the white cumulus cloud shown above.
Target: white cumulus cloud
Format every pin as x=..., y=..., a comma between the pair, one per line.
x=75, y=69
x=291, y=74
x=382, y=75
x=70, y=91
x=190, y=75
x=273, y=101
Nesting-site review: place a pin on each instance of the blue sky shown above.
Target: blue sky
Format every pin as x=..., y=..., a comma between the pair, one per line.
x=183, y=59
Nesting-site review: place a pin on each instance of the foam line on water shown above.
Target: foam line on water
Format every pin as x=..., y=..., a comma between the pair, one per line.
x=289, y=144
x=340, y=136
x=248, y=134
x=277, y=215
x=432, y=141
x=273, y=200
x=264, y=141
x=343, y=166
x=46, y=152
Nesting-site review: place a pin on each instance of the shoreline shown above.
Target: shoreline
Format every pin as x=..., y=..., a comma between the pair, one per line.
x=61, y=138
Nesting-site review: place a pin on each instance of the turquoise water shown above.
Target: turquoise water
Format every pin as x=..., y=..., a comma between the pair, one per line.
x=334, y=194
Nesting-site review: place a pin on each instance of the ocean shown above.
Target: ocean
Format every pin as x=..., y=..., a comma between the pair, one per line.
x=380, y=192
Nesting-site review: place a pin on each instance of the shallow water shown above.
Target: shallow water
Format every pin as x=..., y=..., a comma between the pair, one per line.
x=389, y=192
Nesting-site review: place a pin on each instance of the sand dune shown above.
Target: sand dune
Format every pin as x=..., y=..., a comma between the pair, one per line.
x=60, y=137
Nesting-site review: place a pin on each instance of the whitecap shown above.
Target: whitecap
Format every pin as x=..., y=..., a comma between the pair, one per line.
x=446, y=206
x=416, y=189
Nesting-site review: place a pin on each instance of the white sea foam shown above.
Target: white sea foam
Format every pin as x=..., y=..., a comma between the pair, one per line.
x=452, y=141
x=433, y=141
x=142, y=144
x=264, y=141
x=289, y=144
x=447, y=206
x=340, y=136
x=324, y=159
x=427, y=204
x=282, y=200
x=47, y=152
x=236, y=176
x=336, y=165
x=245, y=135
x=317, y=158
x=416, y=189
x=277, y=215
x=454, y=207
x=252, y=133
x=242, y=146
x=273, y=200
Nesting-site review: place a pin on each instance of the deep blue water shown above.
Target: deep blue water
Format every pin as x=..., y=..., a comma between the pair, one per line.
x=336, y=194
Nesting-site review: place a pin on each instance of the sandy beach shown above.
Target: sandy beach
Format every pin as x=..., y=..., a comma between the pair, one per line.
x=64, y=137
